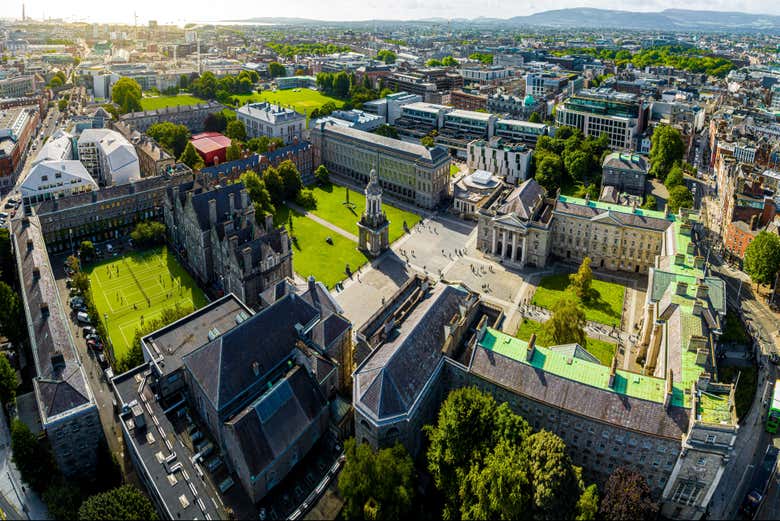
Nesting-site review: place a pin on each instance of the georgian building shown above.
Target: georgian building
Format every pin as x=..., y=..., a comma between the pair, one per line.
x=224, y=246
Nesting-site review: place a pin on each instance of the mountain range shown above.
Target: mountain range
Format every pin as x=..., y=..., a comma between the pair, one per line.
x=590, y=18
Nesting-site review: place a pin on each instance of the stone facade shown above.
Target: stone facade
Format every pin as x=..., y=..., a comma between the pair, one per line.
x=373, y=227
x=626, y=172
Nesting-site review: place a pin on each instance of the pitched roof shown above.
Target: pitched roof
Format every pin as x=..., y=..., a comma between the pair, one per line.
x=224, y=367
x=200, y=203
x=523, y=199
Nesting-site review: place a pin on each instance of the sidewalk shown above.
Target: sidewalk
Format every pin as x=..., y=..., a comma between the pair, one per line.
x=319, y=220
x=25, y=502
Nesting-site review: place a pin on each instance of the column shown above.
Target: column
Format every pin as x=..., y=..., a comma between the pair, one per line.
x=525, y=249
x=493, y=246
x=514, y=247
x=503, y=244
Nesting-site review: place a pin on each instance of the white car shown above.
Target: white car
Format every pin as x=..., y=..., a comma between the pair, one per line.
x=83, y=317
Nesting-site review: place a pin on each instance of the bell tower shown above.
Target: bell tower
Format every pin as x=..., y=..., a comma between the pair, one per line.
x=373, y=226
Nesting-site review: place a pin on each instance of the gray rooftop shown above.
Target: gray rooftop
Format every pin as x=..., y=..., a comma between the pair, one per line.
x=415, y=151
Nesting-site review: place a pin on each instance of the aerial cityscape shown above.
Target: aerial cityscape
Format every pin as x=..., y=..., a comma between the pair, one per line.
x=339, y=261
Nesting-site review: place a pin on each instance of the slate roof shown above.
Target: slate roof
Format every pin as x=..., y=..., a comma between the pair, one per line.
x=391, y=379
x=58, y=390
x=265, y=429
x=627, y=218
x=579, y=398
x=523, y=199
x=200, y=203
x=224, y=367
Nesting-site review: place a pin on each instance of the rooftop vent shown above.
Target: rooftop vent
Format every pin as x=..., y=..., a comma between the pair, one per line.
x=58, y=361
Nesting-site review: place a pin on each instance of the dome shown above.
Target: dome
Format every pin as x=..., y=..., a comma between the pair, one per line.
x=529, y=100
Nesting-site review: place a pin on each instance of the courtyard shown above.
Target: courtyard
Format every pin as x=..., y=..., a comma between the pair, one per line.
x=605, y=305
x=160, y=102
x=300, y=100
x=601, y=349
x=132, y=288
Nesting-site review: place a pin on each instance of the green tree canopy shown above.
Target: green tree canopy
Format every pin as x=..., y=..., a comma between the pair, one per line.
x=31, y=457
x=650, y=203
x=148, y=233
x=233, y=152
x=191, y=158
x=276, y=70
x=427, y=141
x=236, y=130
x=258, y=144
x=275, y=185
x=567, y=324
x=258, y=193
x=215, y=122
x=666, y=149
x=674, y=177
x=87, y=249
x=123, y=503
x=534, y=118
x=680, y=197
x=341, y=84
x=387, y=131
x=627, y=496
x=172, y=137
x=762, y=258
x=322, y=175
x=581, y=281
x=386, y=55
x=8, y=381
x=291, y=179
x=549, y=171
x=383, y=480
x=449, y=61
x=12, y=322
x=126, y=93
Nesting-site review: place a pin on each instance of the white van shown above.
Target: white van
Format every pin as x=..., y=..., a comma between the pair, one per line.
x=83, y=317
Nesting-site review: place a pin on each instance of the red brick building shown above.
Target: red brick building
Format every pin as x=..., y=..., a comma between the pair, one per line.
x=212, y=147
x=746, y=223
x=17, y=125
x=468, y=100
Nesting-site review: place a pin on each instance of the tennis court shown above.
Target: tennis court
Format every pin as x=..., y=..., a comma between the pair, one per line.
x=136, y=287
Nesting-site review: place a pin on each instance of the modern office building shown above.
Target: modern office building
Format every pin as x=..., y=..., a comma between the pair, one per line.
x=542, y=85
x=407, y=171
x=354, y=118
x=521, y=131
x=274, y=121
x=66, y=404
x=619, y=115
x=468, y=99
x=17, y=126
x=108, y=157
x=485, y=74
x=390, y=106
x=506, y=159
x=55, y=179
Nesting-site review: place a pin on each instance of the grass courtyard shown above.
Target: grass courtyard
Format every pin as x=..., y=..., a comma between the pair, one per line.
x=300, y=100
x=331, y=207
x=605, y=307
x=601, y=349
x=136, y=287
x=159, y=102
x=312, y=255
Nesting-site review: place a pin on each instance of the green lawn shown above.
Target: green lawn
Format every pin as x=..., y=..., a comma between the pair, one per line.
x=303, y=101
x=601, y=349
x=746, y=387
x=604, y=307
x=159, y=102
x=121, y=286
x=331, y=207
x=312, y=255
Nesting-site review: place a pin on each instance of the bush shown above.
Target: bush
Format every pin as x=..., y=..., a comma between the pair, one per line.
x=32, y=457
x=148, y=233
x=306, y=199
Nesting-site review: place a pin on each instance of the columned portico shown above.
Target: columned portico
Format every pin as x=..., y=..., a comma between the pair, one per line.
x=508, y=242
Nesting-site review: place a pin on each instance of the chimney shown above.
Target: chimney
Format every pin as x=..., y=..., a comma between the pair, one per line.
x=269, y=223
x=681, y=288
x=702, y=291
x=697, y=308
x=529, y=353
x=57, y=361
x=312, y=283
x=231, y=202
x=213, y=211
x=244, y=198
x=587, y=197
x=246, y=253
x=666, y=210
x=44, y=309
x=29, y=245
x=36, y=273
x=612, y=372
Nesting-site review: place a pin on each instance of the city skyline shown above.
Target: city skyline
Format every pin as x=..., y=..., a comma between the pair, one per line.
x=348, y=10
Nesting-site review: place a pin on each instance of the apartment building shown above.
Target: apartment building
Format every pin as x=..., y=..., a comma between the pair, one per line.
x=508, y=160
x=407, y=171
x=17, y=127
x=544, y=85
x=621, y=116
x=390, y=106
x=274, y=121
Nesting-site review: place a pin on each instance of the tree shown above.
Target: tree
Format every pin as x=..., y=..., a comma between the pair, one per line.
x=449, y=61
x=87, y=249
x=123, y=503
x=322, y=175
x=147, y=233
x=80, y=281
x=236, y=130
x=577, y=164
x=7, y=263
x=581, y=281
x=274, y=184
x=534, y=118
x=381, y=482
x=62, y=105
x=762, y=258
x=233, y=152
x=650, y=203
x=8, y=381
x=386, y=55
x=680, y=197
x=215, y=122
x=549, y=171
x=341, y=84
x=258, y=193
x=666, y=149
x=258, y=144
x=427, y=141
x=126, y=93
x=73, y=263
x=205, y=86
x=327, y=108
x=172, y=137
x=556, y=483
x=12, y=323
x=291, y=179
x=191, y=158
x=63, y=499
x=31, y=457
x=588, y=504
x=567, y=324
x=674, y=177
x=387, y=131
x=627, y=496
x=276, y=69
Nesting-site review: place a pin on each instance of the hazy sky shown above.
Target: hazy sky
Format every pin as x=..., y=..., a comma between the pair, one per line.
x=178, y=11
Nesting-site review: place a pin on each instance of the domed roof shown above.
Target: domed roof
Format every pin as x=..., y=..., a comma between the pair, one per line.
x=528, y=100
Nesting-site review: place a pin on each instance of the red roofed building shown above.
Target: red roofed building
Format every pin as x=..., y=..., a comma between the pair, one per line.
x=212, y=146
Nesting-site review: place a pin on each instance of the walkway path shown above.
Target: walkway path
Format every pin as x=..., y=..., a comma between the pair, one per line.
x=351, y=236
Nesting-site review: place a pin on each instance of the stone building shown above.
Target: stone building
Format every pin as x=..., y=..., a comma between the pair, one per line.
x=373, y=226
x=67, y=408
x=221, y=242
x=626, y=172
x=191, y=116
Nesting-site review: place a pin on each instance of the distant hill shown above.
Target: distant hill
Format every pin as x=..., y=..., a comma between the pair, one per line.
x=667, y=20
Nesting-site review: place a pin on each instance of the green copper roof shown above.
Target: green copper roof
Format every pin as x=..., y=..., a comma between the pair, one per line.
x=617, y=208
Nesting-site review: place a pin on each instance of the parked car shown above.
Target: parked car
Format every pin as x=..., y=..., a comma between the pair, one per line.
x=89, y=331
x=93, y=336
x=76, y=301
x=83, y=317
x=95, y=345
x=108, y=373
x=102, y=360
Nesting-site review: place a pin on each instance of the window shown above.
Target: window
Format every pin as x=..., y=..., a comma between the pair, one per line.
x=687, y=492
x=711, y=438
